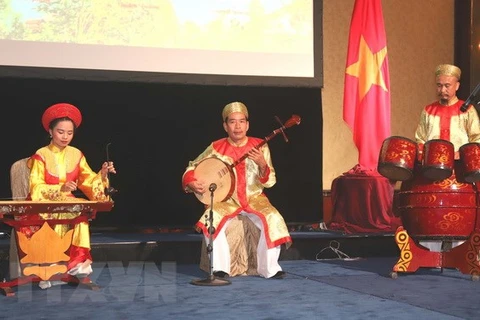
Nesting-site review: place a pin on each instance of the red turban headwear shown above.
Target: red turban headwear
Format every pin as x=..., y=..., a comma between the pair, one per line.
x=61, y=110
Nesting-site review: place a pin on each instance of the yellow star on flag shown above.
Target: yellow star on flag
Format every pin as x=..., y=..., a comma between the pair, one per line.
x=367, y=68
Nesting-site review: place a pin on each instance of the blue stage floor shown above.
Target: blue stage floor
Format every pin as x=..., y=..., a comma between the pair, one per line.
x=326, y=289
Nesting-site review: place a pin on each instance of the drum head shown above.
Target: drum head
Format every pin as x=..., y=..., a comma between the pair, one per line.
x=437, y=173
x=395, y=173
x=472, y=177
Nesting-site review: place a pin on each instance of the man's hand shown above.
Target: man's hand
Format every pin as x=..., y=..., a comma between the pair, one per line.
x=197, y=186
x=257, y=157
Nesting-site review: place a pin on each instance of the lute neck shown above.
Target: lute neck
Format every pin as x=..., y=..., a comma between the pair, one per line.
x=258, y=146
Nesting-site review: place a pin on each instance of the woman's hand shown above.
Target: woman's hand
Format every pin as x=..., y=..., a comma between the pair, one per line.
x=107, y=167
x=69, y=186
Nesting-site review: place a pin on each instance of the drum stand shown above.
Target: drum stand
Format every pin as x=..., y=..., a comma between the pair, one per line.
x=464, y=258
x=211, y=280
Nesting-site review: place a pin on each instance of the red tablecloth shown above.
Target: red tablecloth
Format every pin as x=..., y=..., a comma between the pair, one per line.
x=363, y=204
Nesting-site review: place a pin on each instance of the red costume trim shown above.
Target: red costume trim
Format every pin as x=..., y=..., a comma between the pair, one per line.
x=445, y=113
x=264, y=179
x=78, y=255
x=187, y=178
x=270, y=244
x=222, y=146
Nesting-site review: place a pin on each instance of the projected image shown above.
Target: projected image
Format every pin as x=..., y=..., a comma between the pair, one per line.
x=280, y=29
x=222, y=25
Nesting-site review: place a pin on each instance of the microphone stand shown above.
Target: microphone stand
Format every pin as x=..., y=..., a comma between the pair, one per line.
x=211, y=280
x=472, y=99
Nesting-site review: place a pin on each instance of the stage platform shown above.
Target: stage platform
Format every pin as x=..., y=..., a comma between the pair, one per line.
x=183, y=245
x=330, y=275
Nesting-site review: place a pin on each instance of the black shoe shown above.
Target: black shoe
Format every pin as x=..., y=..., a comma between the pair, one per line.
x=221, y=274
x=279, y=275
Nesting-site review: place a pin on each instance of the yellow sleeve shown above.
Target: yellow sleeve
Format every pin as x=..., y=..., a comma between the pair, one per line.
x=91, y=183
x=39, y=190
x=272, y=178
x=473, y=125
x=422, y=128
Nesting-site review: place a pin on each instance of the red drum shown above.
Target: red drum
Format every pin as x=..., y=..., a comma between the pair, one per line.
x=397, y=158
x=438, y=209
x=438, y=159
x=470, y=158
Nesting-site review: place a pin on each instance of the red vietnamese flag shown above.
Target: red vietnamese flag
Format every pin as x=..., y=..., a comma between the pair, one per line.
x=366, y=101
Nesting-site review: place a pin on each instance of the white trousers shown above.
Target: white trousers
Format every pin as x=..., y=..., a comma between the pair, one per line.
x=267, y=259
x=436, y=245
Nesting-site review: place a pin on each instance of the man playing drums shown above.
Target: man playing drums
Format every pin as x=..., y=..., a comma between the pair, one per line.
x=444, y=119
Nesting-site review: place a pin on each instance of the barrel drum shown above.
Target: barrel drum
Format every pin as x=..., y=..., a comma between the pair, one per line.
x=438, y=209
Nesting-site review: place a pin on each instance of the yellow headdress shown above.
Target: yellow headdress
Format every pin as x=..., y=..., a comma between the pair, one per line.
x=448, y=70
x=234, y=107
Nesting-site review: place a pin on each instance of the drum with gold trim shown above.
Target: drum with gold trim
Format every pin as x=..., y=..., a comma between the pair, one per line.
x=397, y=158
x=438, y=209
x=470, y=158
x=438, y=159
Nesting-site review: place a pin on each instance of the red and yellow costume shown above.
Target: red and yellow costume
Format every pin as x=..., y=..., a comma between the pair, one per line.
x=50, y=167
x=248, y=193
x=449, y=123
x=445, y=120
x=250, y=176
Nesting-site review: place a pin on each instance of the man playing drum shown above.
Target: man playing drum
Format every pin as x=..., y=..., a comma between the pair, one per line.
x=444, y=119
x=250, y=177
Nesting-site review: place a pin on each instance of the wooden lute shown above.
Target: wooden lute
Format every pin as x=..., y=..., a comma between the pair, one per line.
x=217, y=173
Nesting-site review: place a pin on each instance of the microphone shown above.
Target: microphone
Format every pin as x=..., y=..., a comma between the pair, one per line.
x=471, y=98
x=212, y=187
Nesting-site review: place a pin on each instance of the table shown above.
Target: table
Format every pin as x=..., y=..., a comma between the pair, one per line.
x=363, y=204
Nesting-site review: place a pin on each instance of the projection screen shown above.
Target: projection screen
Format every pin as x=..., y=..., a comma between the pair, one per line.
x=232, y=42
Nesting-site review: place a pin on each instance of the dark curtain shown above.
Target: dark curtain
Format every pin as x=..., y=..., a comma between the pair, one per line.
x=155, y=129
